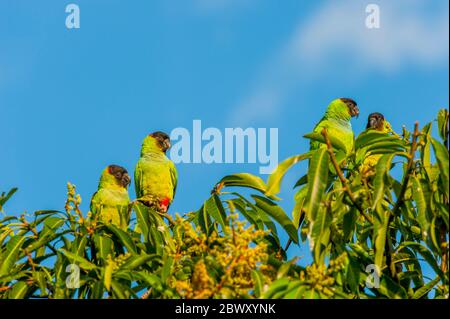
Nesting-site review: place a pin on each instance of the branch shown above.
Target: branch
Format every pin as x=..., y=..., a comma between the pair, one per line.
x=409, y=167
x=342, y=178
x=400, y=199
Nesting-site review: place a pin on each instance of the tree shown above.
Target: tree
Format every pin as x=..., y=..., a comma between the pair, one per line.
x=371, y=235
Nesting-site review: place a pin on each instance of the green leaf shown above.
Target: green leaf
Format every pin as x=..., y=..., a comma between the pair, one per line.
x=388, y=147
x=6, y=219
x=19, y=290
x=142, y=220
x=298, y=211
x=422, y=291
x=51, y=224
x=250, y=214
x=317, y=181
x=349, y=223
x=425, y=153
x=13, y=276
x=118, y=290
x=283, y=270
x=434, y=234
x=421, y=203
x=96, y=289
x=443, y=119
x=212, y=208
x=204, y=220
x=442, y=159
x=260, y=215
x=151, y=279
x=124, y=238
x=275, y=179
x=319, y=230
x=44, y=241
x=426, y=254
x=380, y=233
x=391, y=289
x=4, y=198
x=107, y=276
x=166, y=269
x=336, y=143
x=301, y=181
x=381, y=172
x=136, y=261
x=277, y=286
x=78, y=260
x=371, y=137
x=258, y=283
x=11, y=254
x=296, y=292
x=277, y=213
x=79, y=244
x=40, y=279
x=245, y=180
x=353, y=273
x=104, y=246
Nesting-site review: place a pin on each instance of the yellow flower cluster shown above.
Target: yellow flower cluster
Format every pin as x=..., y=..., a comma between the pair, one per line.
x=321, y=277
x=223, y=262
x=119, y=260
x=73, y=202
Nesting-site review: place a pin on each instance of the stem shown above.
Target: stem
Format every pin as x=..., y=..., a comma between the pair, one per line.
x=409, y=167
x=342, y=178
x=400, y=199
x=444, y=248
x=443, y=231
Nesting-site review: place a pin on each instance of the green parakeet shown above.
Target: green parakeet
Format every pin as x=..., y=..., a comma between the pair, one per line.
x=111, y=201
x=377, y=122
x=337, y=122
x=155, y=175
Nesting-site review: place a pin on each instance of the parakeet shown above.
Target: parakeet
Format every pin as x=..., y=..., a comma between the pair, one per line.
x=377, y=122
x=111, y=201
x=155, y=175
x=337, y=122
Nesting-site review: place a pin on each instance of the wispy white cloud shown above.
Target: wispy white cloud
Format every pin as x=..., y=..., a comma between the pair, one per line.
x=335, y=38
x=407, y=34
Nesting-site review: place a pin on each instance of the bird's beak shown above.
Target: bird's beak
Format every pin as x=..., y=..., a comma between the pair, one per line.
x=372, y=123
x=166, y=144
x=354, y=111
x=126, y=180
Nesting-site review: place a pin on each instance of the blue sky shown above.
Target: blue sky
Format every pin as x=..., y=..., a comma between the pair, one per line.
x=74, y=101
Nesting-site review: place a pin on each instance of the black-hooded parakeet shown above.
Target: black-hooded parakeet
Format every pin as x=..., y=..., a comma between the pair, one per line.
x=375, y=122
x=155, y=175
x=337, y=122
x=111, y=201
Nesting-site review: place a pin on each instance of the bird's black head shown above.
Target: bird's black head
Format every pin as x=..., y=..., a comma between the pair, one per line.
x=120, y=174
x=375, y=121
x=163, y=140
x=352, y=106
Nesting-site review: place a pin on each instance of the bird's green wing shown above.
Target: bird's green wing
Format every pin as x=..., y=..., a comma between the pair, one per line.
x=97, y=203
x=94, y=203
x=323, y=123
x=173, y=176
x=138, y=180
